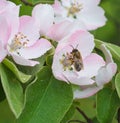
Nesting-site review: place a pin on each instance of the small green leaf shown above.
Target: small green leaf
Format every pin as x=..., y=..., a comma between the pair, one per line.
x=107, y=105
x=117, y=83
x=47, y=99
x=21, y=76
x=49, y=60
x=12, y=89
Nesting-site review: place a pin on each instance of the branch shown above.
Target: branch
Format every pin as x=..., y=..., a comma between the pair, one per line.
x=84, y=115
x=118, y=118
x=76, y=121
x=27, y=3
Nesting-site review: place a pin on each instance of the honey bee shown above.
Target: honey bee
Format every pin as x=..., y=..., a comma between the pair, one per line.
x=77, y=59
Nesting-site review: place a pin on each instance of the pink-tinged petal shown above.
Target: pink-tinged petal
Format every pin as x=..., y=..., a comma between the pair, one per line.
x=58, y=31
x=36, y=50
x=58, y=9
x=22, y=61
x=44, y=16
x=105, y=74
x=84, y=42
x=78, y=94
x=107, y=54
x=79, y=80
x=11, y=13
x=4, y=31
x=92, y=64
x=4, y=4
x=29, y=29
x=3, y=52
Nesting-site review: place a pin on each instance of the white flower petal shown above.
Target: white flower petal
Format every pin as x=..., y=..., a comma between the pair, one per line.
x=36, y=50
x=44, y=16
x=22, y=61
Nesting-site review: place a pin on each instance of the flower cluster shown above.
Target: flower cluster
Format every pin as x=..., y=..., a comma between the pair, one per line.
x=66, y=22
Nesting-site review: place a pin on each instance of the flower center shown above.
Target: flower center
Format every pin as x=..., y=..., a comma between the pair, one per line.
x=75, y=8
x=67, y=61
x=20, y=41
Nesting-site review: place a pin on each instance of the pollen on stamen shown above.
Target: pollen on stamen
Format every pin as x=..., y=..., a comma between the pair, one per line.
x=19, y=41
x=66, y=62
x=75, y=8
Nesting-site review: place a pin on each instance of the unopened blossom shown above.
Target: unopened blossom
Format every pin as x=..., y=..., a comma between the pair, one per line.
x=25, y=44
x=104, y=75
x=74, y=62
x=86, y=11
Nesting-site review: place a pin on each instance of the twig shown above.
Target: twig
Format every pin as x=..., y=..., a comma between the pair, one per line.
x=27, y=3
x=76, y=121
x=84, y=115
x=118, y=118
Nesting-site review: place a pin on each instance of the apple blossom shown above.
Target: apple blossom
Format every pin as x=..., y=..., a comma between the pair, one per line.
x=86, y=11
x=104, y=75
x=63, y=66
x=24, y=44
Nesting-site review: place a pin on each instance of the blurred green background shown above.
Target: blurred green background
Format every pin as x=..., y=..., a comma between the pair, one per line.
x=109, y=33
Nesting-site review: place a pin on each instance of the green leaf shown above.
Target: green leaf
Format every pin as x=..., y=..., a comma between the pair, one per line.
x=12, y=89
x=6, y=116
x=49, y=60
x=21, y=76
x=24, y=9
x=2, y=94
x=107, y=105
x=47, y=99
x=87, y=105
x=69, y=114
x=117, y=83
